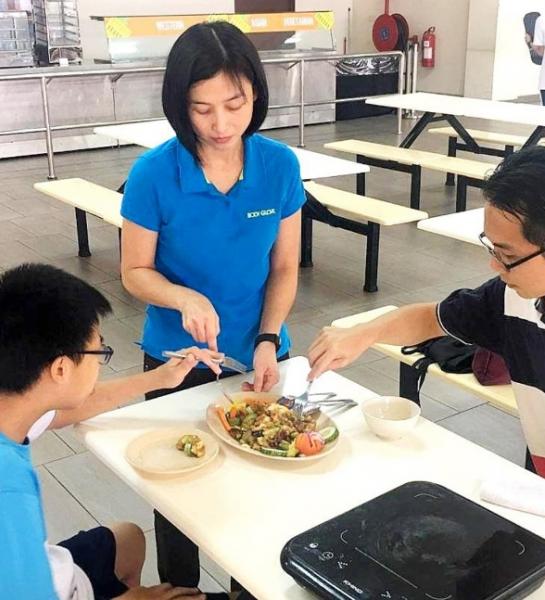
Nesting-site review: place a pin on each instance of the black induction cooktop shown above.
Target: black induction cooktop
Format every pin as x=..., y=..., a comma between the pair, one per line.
x=419, y=541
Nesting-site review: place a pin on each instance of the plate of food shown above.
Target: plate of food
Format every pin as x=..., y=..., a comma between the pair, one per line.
x=257, y=424
x=171, y=451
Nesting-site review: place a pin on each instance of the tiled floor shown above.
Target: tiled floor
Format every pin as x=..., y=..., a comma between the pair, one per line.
x=414, y=266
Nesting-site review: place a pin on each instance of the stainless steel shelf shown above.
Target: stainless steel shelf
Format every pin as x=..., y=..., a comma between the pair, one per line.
x=15, y=39
x=57, y=31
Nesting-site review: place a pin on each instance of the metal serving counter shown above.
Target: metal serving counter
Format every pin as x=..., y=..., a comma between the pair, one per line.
x=96, y=96
x=93, y=96
x=293, y=47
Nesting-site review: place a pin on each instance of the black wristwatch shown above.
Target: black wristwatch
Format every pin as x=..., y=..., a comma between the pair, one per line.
x=268, y=337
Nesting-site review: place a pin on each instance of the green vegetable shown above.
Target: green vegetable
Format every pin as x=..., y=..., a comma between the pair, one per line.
x=292, y=450
x=273, y=451
x=329, y=434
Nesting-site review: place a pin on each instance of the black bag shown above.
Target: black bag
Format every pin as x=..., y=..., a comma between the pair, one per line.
x=450, y=354
x=529, y=26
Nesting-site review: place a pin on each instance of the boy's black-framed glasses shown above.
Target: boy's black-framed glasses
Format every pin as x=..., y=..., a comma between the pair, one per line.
x=105, y=352
x=507, y=266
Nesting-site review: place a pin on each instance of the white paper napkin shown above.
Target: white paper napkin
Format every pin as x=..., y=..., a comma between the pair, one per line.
x=526, y=495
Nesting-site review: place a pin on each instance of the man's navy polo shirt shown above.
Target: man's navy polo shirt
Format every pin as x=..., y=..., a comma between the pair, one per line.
x=216, y=244
x=495, y=317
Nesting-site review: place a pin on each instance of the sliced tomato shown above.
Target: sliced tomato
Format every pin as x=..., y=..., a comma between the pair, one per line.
x=309, y=443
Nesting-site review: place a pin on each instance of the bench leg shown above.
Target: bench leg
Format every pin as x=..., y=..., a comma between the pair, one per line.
x=416, y=179
x=371, y=258
x=360, y=184
x=452, y=143
x=83, y=236
x=408, y=383
x=461, y=194
x=306, y=242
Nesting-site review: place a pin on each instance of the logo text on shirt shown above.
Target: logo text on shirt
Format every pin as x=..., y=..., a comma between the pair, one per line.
x=265, y=212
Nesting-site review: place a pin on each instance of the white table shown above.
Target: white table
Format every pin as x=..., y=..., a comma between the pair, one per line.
x=152, y=133
x=444, y=107
x=241, y=509
x=465, y=226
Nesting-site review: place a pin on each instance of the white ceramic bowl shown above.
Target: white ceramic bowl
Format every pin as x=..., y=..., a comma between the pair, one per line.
x=390, y=417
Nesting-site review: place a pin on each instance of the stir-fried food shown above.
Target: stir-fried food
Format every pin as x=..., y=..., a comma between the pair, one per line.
x=191, y=445
x=273, y=429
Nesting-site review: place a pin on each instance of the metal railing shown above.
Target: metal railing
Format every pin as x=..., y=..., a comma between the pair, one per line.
x=116, y=73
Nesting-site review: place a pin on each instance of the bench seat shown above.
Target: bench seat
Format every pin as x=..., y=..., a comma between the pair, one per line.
x=491, y=137
x=470, y=172
x=356, y=213
x=85, y=197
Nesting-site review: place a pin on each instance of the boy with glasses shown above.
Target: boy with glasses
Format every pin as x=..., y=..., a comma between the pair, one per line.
x=50, y=355
x=504, y=315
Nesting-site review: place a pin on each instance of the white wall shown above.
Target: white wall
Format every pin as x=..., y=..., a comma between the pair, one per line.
x=514, y=73
x=450, y=17
x=481, y=48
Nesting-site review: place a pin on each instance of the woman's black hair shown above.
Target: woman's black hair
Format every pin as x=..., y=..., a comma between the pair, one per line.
x=201, y=52
x=517, y=187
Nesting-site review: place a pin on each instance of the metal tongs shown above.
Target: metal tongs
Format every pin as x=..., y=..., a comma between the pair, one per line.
x=304, y=405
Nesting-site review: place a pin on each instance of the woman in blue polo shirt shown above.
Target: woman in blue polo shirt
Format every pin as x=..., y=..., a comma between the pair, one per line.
x=212, y=216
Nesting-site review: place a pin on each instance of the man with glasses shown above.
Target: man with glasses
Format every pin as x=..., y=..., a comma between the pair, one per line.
x=504, y=315
x=50, y=356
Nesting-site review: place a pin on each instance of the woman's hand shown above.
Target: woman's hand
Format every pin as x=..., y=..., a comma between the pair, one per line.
x=162, y=592
x=266, y=373
x=173, y=372
x=200, y=319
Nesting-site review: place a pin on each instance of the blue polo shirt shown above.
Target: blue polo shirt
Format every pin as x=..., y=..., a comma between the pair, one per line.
x=216, y=244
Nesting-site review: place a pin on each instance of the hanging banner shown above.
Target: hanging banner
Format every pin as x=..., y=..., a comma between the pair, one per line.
x=126, y=27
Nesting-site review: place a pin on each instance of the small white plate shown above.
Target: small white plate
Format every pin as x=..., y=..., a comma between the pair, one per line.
x=155, y=452
x=218, y=429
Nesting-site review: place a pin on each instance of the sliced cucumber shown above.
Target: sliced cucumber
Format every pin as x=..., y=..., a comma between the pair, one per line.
x=329, y=434
x=273, y=451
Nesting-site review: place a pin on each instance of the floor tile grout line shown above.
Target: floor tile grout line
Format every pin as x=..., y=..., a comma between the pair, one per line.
x=85, y=509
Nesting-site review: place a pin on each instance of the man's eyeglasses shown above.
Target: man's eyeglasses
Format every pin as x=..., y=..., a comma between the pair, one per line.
x=507, y=266
x=106, y=353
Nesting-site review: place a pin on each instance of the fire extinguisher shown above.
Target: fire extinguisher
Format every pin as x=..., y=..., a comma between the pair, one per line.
x=429, y=41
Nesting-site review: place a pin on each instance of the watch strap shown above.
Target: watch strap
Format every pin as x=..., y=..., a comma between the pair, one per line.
x=268, y=337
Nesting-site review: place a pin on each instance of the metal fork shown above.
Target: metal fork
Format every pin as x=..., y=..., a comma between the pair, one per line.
x=223, y=391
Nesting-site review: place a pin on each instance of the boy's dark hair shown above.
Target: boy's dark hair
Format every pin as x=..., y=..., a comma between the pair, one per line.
x=44, y=313
x=517, y=187
x=200, y=53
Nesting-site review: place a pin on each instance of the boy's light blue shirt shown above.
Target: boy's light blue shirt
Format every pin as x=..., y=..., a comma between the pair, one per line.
x=24, y=566
x=217, y=244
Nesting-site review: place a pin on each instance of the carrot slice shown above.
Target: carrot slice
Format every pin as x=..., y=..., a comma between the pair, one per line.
x=221, y=414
